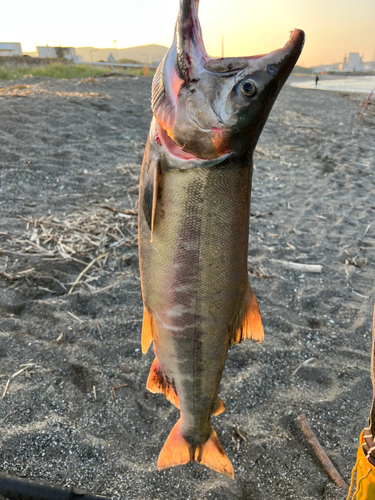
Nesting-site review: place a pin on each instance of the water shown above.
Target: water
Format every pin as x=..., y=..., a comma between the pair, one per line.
x=362, y=84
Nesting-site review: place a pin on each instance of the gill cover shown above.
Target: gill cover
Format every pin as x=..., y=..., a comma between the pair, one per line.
x=211, y=107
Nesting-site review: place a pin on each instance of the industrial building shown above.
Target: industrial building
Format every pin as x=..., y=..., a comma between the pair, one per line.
x=10, y=49
x=353, y=62
x=68, y=53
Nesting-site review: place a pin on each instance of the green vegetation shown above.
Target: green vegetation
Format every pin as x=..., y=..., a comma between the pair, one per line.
x=128, y=61
x=63, y=71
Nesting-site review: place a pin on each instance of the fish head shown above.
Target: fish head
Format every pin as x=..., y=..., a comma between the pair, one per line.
x=212, y=107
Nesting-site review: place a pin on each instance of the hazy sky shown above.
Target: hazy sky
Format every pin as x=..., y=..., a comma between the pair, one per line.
x=333, y=27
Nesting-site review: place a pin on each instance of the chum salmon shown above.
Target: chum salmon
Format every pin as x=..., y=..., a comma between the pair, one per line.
x=194, y=208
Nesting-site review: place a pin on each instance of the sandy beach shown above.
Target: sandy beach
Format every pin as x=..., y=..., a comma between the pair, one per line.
x=70, y=158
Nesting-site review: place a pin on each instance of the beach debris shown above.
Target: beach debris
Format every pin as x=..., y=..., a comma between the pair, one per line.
x=304, y=268
x=24, y=367
x=257, y=272
x=366, y=103
x=85, y=270
x=114, y=389
x=320, y=453
x=98, y=234
x=74, y=317
x=306, y=362
x=79, y=233
x=60, y=337
x=17, y=488
x=99, y=329
x=360, y=295
x=116, y=211
x=351, y=260
x=364, y=469
x=240, y=434
x=194, y=202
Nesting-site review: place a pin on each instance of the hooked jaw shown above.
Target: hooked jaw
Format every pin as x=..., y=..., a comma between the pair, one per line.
x=205, y=105
x=287, y=56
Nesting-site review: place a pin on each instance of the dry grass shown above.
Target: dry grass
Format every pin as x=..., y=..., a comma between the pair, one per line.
x=90, y=238
x=87, y=234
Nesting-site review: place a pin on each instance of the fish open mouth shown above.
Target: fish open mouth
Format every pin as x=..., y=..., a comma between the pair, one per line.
x=161, y=135
x=161, y=140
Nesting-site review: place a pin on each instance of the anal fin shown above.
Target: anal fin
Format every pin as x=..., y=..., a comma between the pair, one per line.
x=146, y=331
x=158, y=382
x=248, y=322
x=177, y=451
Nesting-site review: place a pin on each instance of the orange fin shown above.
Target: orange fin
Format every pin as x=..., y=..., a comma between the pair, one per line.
x=177, y=451
x=214, y=457
x=146, y=331
x=158, y=382
x=218, y=407
x=248, y=323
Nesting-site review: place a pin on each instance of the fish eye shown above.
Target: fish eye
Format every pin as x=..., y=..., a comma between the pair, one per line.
x=248, y=88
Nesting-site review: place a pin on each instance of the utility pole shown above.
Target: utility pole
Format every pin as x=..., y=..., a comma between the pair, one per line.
x=222, y=46
x=115, y=45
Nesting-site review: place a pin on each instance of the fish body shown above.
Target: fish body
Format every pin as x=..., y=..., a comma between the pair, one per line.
x=194, y=205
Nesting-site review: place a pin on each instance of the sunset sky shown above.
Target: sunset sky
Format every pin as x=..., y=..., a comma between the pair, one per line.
x=333, y=27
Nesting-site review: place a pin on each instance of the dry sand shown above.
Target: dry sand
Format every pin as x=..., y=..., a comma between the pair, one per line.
x=67, y=149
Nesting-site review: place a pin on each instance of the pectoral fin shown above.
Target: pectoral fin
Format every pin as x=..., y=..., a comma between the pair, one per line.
x=248, y=322
x=149, y=189
x=146, y=331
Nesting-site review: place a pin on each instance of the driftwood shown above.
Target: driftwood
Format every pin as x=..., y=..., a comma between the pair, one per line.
x=16, y=488
x=320, y=453
x=305, y=268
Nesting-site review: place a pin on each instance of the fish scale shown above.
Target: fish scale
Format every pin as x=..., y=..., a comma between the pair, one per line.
x=194, y=199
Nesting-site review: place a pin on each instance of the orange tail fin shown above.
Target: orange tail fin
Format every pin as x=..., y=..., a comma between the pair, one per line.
x=177, y=451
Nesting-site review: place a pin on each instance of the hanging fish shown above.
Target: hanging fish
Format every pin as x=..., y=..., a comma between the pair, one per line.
x=194, y=206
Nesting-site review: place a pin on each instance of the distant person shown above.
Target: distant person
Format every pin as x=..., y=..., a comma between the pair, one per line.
x=316, y=80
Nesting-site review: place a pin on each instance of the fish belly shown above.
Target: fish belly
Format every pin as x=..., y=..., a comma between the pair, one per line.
x=194, y=276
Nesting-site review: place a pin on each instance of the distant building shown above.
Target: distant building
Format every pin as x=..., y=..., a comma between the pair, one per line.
x=352, y=63
x=68, y=53
x=369, y=66
x=5, y=49
x=144, y=54
x=14, y=49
